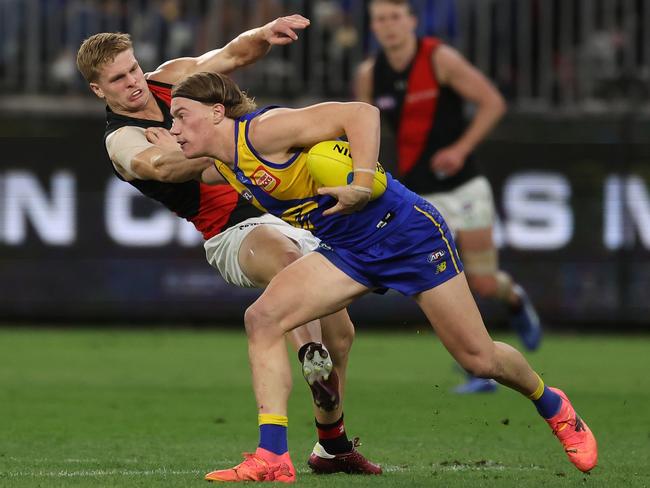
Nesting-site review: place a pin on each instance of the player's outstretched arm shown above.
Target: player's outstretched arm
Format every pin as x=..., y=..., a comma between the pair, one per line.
x=245, y=49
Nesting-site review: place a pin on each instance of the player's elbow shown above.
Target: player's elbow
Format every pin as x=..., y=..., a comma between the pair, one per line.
x=370, y=110
x=499, y=105
x=367, y=114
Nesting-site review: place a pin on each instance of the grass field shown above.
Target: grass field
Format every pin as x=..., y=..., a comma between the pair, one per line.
x=120, y=408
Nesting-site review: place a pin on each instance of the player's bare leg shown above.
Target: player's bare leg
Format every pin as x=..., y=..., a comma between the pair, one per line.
x=308, y=288
x=481, y=263
x=326, y=384
x=453, y=313
x=338, y=335
x=334, y=452
x=480, y=259
x=263, y=254
x=456, y=320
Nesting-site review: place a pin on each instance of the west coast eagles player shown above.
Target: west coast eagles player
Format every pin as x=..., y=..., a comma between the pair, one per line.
x=366, y=245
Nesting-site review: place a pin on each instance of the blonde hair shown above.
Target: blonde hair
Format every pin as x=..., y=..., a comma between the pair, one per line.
x=98, y=50
x=215, y=88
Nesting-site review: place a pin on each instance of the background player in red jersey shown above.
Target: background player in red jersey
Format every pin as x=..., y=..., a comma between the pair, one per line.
x=420, y=86
x=245, y=246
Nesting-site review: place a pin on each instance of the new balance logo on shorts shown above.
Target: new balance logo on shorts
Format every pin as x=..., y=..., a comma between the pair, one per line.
x=384, y=221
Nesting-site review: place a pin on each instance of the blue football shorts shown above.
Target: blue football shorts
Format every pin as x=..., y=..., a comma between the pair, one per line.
x=417, y=255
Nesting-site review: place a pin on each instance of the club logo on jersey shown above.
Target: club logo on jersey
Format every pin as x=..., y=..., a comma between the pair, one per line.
x=441, y=267
x=265, y=180
x=247, y=195
x=436, y=256
x=419, y=96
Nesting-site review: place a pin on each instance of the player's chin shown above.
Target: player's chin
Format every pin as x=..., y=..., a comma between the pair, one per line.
x=138, y=104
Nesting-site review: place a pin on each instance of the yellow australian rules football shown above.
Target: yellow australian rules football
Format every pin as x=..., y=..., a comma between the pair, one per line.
x=330, y=164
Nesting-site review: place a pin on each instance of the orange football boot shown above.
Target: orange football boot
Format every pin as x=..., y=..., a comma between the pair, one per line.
x=574, y=434
x=257, y=467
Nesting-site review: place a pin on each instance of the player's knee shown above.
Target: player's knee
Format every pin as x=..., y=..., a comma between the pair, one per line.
x=481, y=364
x=262, y=272
x=340, y=345
x=259, y=320
x=287, y=257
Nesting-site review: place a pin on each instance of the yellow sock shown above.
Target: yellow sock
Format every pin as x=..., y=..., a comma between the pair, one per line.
x=271, y=418
x=537, y=394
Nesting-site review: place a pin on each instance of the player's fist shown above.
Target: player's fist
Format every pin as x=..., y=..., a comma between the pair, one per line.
x=351, y=198
x=448, y=161
x=161, y=137
x=281, y=31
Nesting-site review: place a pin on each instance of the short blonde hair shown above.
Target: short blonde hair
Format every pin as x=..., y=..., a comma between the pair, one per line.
x=98, y=50
x=215, y=88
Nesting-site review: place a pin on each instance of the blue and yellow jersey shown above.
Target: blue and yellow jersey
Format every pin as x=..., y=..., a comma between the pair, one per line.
x=287, y=190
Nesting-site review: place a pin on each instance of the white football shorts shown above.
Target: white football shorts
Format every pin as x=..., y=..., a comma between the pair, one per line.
x=468, y=207
x=222, y=250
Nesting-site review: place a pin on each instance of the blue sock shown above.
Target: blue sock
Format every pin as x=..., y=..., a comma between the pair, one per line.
x=548, y=404
x=273, y=438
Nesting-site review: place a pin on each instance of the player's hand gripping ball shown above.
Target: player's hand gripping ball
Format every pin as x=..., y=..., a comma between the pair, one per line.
x=330, y=164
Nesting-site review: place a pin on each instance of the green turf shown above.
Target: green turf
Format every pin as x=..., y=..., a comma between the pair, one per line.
x=158, y=408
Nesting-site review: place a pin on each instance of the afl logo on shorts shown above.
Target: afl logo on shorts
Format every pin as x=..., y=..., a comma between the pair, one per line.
x=265, y=180
x=436, y=256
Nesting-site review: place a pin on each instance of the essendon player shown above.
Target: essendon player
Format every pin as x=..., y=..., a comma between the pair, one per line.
x=420, y=85
x=245, y=246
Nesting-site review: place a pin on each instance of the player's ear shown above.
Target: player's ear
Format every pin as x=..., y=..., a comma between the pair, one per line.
x=218, y=113
x=97, y=90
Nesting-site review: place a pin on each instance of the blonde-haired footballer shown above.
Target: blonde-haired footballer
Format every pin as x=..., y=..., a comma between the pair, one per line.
x=396, y=241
